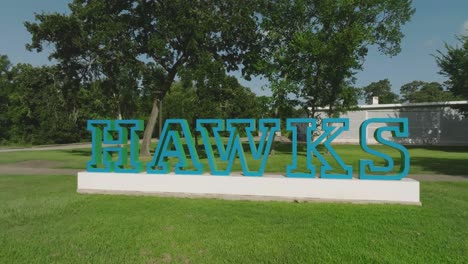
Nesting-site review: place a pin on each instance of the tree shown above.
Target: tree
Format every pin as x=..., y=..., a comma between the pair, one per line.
x=421, y=92
x=231, y=100
x=382, y=89
x=163, y=38
x=454, y=65
x=316, y=47
x=265, y=106
x=37, y=111
x=408, y=90
x=5, y=89
x=34, y=107
x=92, y=46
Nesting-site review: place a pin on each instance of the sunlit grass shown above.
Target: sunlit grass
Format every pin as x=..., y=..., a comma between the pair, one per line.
x=424, y=160
x=44, y=220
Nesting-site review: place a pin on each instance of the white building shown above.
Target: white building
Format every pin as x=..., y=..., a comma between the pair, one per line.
x=429, y=123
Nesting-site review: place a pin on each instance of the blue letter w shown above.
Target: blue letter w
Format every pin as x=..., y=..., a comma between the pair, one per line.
x=234, y=146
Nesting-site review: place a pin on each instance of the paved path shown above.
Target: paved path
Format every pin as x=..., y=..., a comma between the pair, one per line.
x=88, y=145
x=12, y=169
x=48, y=147
x=56, y=147
x=33, y=168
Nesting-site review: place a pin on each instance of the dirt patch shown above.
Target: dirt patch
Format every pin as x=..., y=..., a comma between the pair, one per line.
x=37, y=164
x=50, y=167
x=33, y=167
x=8, y=170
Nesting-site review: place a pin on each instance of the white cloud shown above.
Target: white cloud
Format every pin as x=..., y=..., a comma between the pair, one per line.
x=464, y=30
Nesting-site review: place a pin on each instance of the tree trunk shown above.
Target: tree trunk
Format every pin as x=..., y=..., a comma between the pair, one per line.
x=272, y=149
x=119, y=117
x=145, y=146
x=193, y=126
x=119, y=113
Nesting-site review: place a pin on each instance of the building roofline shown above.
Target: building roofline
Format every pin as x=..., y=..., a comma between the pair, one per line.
x=406, y=105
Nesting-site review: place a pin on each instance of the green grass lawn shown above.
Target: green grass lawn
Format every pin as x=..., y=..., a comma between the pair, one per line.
x=424, y=160
x=44, y=220
x=65, y=159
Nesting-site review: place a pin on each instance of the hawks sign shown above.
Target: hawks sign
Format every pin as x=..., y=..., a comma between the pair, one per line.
x=171, y=146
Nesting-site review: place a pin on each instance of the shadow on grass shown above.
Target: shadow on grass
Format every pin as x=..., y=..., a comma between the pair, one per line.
x=79, y=152
x=442, y=165
x=437, y=164
x=440, y=148
x=278, y=147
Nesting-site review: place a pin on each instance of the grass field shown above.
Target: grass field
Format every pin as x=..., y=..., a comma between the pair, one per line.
x=44, y=220
x=424, y=160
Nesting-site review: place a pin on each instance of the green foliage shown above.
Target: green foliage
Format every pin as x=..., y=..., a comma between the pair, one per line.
x=118, y=59
x=5, y=90
x=149, y=41
x=421, y=92
x=227, y=100
x=382, y=89
x=39, y=108
x=125, y=43
x=265, y=106
x=91, y=44
x=454, y=65
x=281, y=104
x=314, y=48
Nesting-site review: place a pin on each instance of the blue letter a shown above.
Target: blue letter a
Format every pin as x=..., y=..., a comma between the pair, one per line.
x=171, y=138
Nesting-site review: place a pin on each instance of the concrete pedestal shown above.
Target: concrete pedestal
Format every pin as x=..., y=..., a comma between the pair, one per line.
x=268, y=187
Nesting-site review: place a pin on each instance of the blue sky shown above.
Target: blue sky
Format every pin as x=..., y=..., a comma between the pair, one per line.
x=434, y=23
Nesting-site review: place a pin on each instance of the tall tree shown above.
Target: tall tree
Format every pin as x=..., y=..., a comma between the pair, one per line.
x=181, y=36
x=382, y=89
x=265, y=106
x=231, y=100
x=408, y=90
x=421, y=92
x=317, y=46
x=34, y=107
x=164, y=38
x=91, y=44
x=454, y=65
x=37, y=110
x=5, y=89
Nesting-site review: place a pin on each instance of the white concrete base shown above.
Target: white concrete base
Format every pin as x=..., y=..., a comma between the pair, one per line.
x=268, y=187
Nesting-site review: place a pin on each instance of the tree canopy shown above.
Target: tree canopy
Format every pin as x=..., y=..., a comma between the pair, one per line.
x=421, y=92
x=454, y=65
x=35, y=108
x=5, y=89
x=382, y=89
x=316, y=47
x=162, y=39
x=119, y=59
